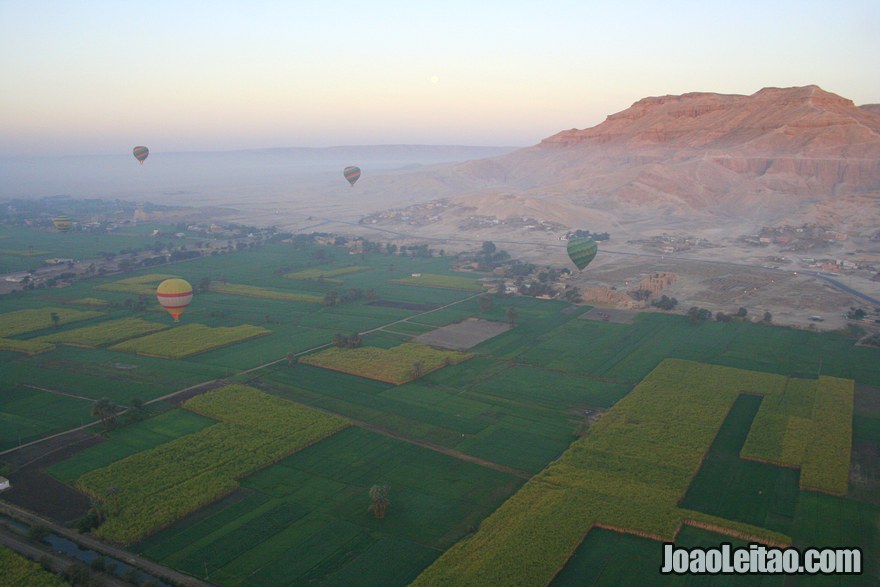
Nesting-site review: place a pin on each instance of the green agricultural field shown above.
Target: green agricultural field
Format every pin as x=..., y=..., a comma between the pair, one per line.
x=23, y=252
x=441, y=281
x=319, y=273
x=239, y=289
x=141, y=284
x=27, y=414
x=17, y=570
x=192, y=471
x=754, y=493
x=130, y=439
x=30, y=347
x=97, y=373
x=396, y=365
x=314, y=503
x=104, y=333
x=23, y=321
x=95, y=302
x=604, y=479
x=188, y=340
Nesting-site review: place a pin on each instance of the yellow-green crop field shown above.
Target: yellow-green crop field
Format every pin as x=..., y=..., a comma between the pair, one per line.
x=239, y=289
x=826, y=459
x=190, y=339
x=23, y=252
x=326, y=274
x=394, y=365
x=629, y=473
x=160, y=485
x=441, y=281
x=31, y=347
x=104, y=333
x=16, y=570
x=22, y=321
x=96, y=302
x=142, y=284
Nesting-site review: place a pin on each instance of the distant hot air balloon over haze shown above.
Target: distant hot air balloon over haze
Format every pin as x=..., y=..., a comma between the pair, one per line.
x=582, y=250
x=174, y=295
x=141, y=153
x=352, y=174
x=62, y=223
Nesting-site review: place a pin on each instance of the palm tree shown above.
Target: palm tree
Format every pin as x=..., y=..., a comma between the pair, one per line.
x=379, y=499
x=105, y=410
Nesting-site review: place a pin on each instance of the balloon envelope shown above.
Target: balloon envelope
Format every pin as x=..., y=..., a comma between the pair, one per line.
x=140, y=153
x=352, y=174
x=581, y=251
x=174, y=295
x=62, y=223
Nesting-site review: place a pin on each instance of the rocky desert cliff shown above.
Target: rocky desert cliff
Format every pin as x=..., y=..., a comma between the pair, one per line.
x=780, y=155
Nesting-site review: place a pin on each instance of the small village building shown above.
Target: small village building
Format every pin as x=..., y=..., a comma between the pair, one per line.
x=4, y=483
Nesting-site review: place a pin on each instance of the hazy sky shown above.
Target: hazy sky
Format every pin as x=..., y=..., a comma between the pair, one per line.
x=100, y=77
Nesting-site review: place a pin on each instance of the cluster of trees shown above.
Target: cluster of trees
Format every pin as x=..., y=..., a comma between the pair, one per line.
x=334, y=298
x=108, y=412
x=596, y=236
x=697, y=315
x=489, y=257
x=665, y=303
x=347, y=341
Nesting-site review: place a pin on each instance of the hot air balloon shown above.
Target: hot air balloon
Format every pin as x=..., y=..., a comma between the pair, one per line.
x=174, y=295
x=581, y=251
x=352, y=174
x=62, y=223
x=140, y=153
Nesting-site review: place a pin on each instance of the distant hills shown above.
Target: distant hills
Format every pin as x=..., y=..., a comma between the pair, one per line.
x=781, y=154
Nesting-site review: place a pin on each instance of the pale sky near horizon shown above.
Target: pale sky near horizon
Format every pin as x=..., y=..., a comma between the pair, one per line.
x=97, y=77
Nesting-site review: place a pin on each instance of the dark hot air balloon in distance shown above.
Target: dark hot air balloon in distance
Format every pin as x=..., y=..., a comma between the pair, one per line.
x=581, y=251
x=140, y=153
x=174, y=295
x=62, y=223
x=352, y=174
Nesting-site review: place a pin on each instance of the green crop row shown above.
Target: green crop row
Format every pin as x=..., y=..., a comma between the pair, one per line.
x=253, y=291
x=22, y=321
x=105, y=332
x=396, y=365
x=188, y=340
x=17, y=570
x=441, y=281
x=151, y=489
x=319, y=273
x=827, y=456
x=629, y=472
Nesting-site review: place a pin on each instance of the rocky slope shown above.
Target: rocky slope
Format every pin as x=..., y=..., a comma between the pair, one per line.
x=779, y=155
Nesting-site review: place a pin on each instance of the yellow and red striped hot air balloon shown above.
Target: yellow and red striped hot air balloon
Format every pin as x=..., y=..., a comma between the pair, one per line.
x=140, y=153
x=62, y=223
x=174, y=295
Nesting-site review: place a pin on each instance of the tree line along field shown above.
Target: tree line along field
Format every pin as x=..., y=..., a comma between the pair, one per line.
x=527, y=395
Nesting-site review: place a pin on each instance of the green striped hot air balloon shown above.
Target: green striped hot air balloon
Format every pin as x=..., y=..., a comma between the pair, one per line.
x=140, y=153
x=352, y=174
x=581, y=251
x=62, y=223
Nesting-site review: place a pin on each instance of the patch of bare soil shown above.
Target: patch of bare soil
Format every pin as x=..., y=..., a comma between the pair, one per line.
x=42, y=494
x=463, y=335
